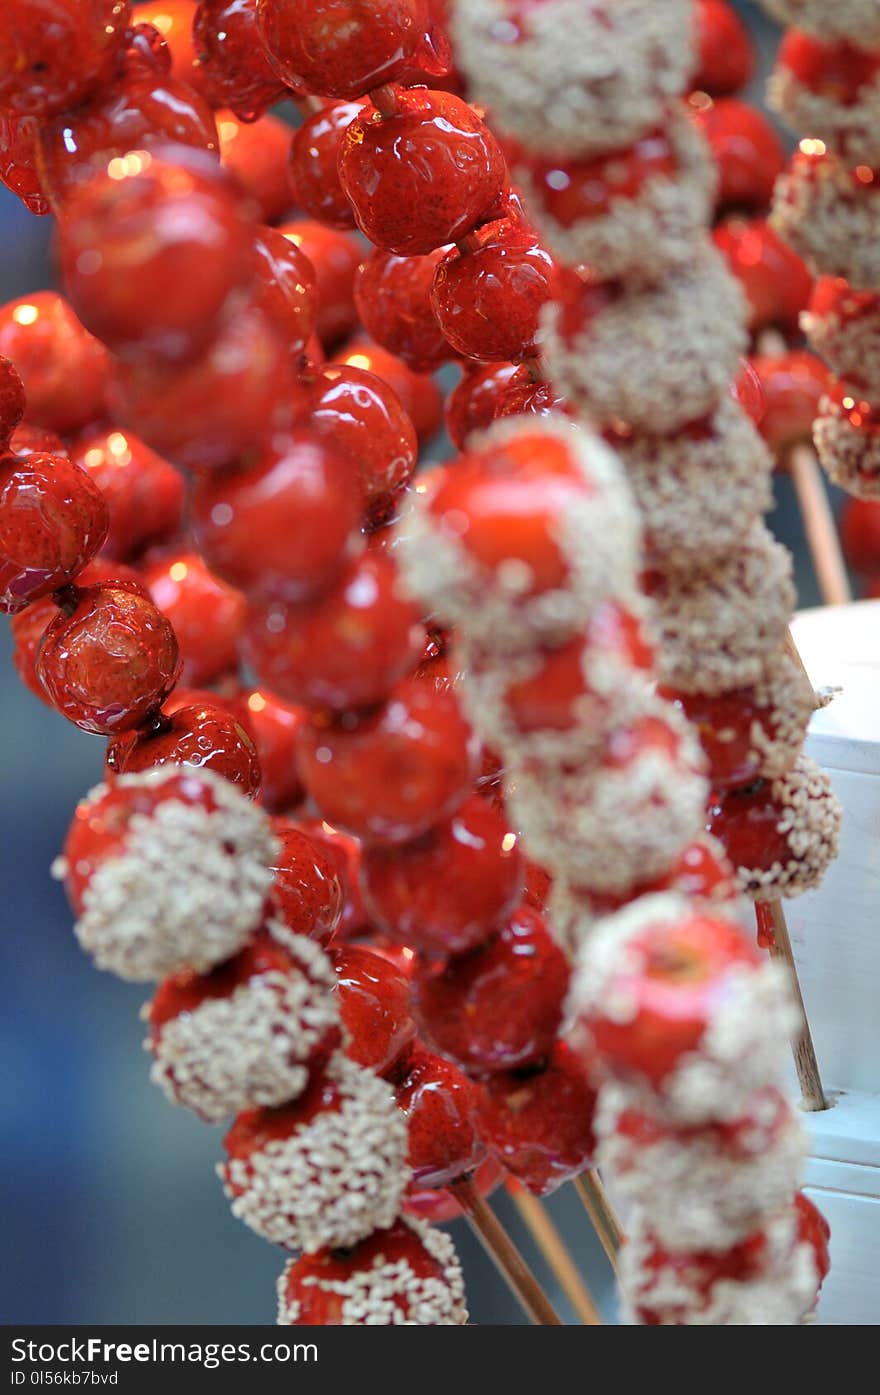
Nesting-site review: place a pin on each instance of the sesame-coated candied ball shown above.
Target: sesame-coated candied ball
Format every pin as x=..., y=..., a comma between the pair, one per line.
x=633, y=212
x=781, y=835
x=523, y=534
x=327, y=1169
x=405, y=1276
x=614, y=821
x=653, y=358
x=831, y=91
x=857, y=21
x=166, y=870
x=247, y=1033
x=575, y=76
x=846, y=434
x=830, y=213
x=843, y=325
x=717, y=626
x=700, y=489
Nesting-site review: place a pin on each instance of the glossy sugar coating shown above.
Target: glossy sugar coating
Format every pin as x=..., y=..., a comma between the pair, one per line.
x=202, y=734
x=53, y=519
x=55, y=53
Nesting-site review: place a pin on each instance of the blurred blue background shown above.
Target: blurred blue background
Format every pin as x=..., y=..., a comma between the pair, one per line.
x=111, y=1211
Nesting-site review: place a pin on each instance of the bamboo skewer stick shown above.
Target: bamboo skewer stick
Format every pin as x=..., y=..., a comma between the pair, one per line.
x=546, y=1236
x=505, y=1256
x=820, y=527
x=771, y=919
x=591, y=1190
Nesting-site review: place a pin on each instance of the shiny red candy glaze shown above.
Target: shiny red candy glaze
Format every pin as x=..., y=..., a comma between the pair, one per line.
x=582, y=296
x=747, y=150
x=748, y=392
x=314, y=178
x=176, y=221
x=335, y=256
x=814, y=1230
x=313, y=1282
x=793, y=383
x=699, y=874
x=499, y=1007
x=273, y=725
x=12, y=401
x=373, y=999
x=186, y=991
x=393, y=296
x=206, y=736
x=207, y=615
x=144, y=494
x=216, y=410
x=53, y=519
x=65, y=371
x=860, y=534
x=418, y=392
x=308, y=890
x=145, y=106
x=439, y=1103
x=345, y=649
x=389, y=775
x=570, y=191
x=446, y=892
x=674, y=976
x=537, y=886
x=723, y=725
x=27, y=440
x=423, y=177
x=834, y=70
x=28, y=626
x=54, y=53
x=109, y=664
x=342, y=48
x=18, y=162
x=504, y=504
x=285, y=288
x=488, y=300
x=256, y=153
x=344, y=851
x=284, y=527
x=254, y=1129
x=486, y=393
x=234, y=67
x=363, y=417
x=747, y=821
x=725, y=51
x=774, y=278
x=436, y=1205
x=539, y=1122
x=174, y=21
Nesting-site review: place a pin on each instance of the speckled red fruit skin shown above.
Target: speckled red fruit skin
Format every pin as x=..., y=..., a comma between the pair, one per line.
x=309, y=1284
x=205, y=736
x=447, y=891
x=723, y=724
x=335, y=256
x=488, y=299
x=143, y=493
x=28, y=626
x=500, y=1006
x=234, y=68
x=374, y=1007
x=746, y=821
x=284, y=528
x=65, y=371
x=344, y=650
x=285, y=287
x=749, y=154
x=440, y=1106
x=207, y=615
x=725, y=52
x=393, y=296
x=423, y=177
x=793, y=383
x=54, y=53
x=308, y=890
x=675, y=994
x=860, y=534
x=256, y=153
x=539, y=1122
x=388, y=776
x=12, y=400
x=418, y=392
x=53, y=519
x=273, y=725
x=111, y=663
x=314, y=178
x=18, y=162
x=437, y=1205
x=774, y=278
x=178, y=220
x=341, y=48
x=216, y=410
x=344, y=851
x=142, y=107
